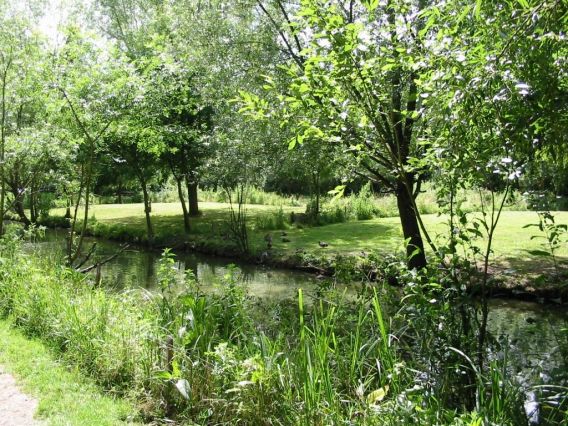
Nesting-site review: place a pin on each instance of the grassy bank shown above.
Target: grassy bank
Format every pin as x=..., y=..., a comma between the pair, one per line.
x=382, y=359
x=65, y=396
x=516, y=252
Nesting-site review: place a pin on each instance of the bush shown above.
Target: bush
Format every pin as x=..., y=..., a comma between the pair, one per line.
x=54, y=222
x=363, y=203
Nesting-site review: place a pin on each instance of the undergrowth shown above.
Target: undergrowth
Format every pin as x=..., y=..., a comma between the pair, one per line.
x=384, y=357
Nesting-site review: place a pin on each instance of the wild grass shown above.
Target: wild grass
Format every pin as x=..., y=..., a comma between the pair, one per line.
x=365, y=205
x=169, y=194
x=222, y=358
x=65, y=396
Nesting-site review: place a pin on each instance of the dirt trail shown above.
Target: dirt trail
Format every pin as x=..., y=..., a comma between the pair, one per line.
x=16, y=408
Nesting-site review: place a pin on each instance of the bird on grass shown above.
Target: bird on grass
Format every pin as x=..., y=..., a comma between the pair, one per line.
x=323, y=244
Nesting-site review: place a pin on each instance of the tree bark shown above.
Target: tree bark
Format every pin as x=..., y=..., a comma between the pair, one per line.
x=410, y=227
x=119, y=191
x=192, y=196
x=68, y=208
x=147, y=210
x=186, y=224
x=3, y=146
x=34, y=203
x=19, y=208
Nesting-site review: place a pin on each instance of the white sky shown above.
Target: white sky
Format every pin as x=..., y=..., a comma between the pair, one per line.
x=55, y=14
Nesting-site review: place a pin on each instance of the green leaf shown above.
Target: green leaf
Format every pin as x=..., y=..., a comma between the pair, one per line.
x=337, y=192
x=165, y=375
x=304, y=88
x=377, y=395
x=477, y=9
x=292, y=143
x=371, y=4
x=388, y=67
x=524, y=4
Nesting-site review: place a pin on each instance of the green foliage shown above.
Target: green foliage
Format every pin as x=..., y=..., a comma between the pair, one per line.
x=254, y=196
x=65, y=396
x=555, y=236
x=363, y=204
x=272, y=221
x=212, y=358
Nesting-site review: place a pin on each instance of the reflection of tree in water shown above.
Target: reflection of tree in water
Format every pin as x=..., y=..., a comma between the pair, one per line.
x=150, y=267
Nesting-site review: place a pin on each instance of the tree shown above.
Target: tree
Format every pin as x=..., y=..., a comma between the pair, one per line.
x=136, y=147
x=94, y=87
x=18, y=56
x=353, y=80
x=184, y=122
x=31, y=169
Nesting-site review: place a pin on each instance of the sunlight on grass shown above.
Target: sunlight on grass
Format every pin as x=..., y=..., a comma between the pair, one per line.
x=512, y=242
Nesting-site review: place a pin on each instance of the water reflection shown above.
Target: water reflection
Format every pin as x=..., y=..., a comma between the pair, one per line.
x=138, y=268
x=537, y=346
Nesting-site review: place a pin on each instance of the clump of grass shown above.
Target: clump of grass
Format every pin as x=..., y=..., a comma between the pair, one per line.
x=254, y=196
x=362, y=204
x=271, y=221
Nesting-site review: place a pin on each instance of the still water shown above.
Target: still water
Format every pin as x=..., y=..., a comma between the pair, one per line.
x=137, y=267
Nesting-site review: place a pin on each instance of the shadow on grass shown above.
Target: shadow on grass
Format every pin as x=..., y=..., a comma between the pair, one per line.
x=345, y=237
x=528, y=266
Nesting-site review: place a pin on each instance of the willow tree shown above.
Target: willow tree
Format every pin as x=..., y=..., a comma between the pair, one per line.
x=353, y=79
x=93, y=87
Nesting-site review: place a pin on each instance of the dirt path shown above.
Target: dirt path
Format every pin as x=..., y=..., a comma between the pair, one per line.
x=16, y=408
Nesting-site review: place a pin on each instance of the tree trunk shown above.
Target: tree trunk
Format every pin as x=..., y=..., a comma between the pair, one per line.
x=33, y=214
x=318, y=192
x=34, y=203
x=410, y=227
x=186, y=224
x=2, y=147
x=119, y=192
x=192, y=196
x=19, y=208
x=147, y=210
x=68, y=208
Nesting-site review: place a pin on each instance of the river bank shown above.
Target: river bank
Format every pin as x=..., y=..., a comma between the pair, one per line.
x=358, y=249
x=234, y=357
x=40, y=390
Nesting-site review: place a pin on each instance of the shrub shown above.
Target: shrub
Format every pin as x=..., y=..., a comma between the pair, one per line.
x=272, y=221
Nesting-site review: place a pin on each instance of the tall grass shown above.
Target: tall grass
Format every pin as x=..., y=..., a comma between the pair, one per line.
x=221, y=358
x=366, y=205
x=254, y=196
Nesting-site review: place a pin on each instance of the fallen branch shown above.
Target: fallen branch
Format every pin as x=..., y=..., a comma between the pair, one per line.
x=88, y=256
x=108, y=259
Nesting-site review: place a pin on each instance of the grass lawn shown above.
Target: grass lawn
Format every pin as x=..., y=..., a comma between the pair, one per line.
x=168, y=221
x=512, y=244
x=65, y=397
